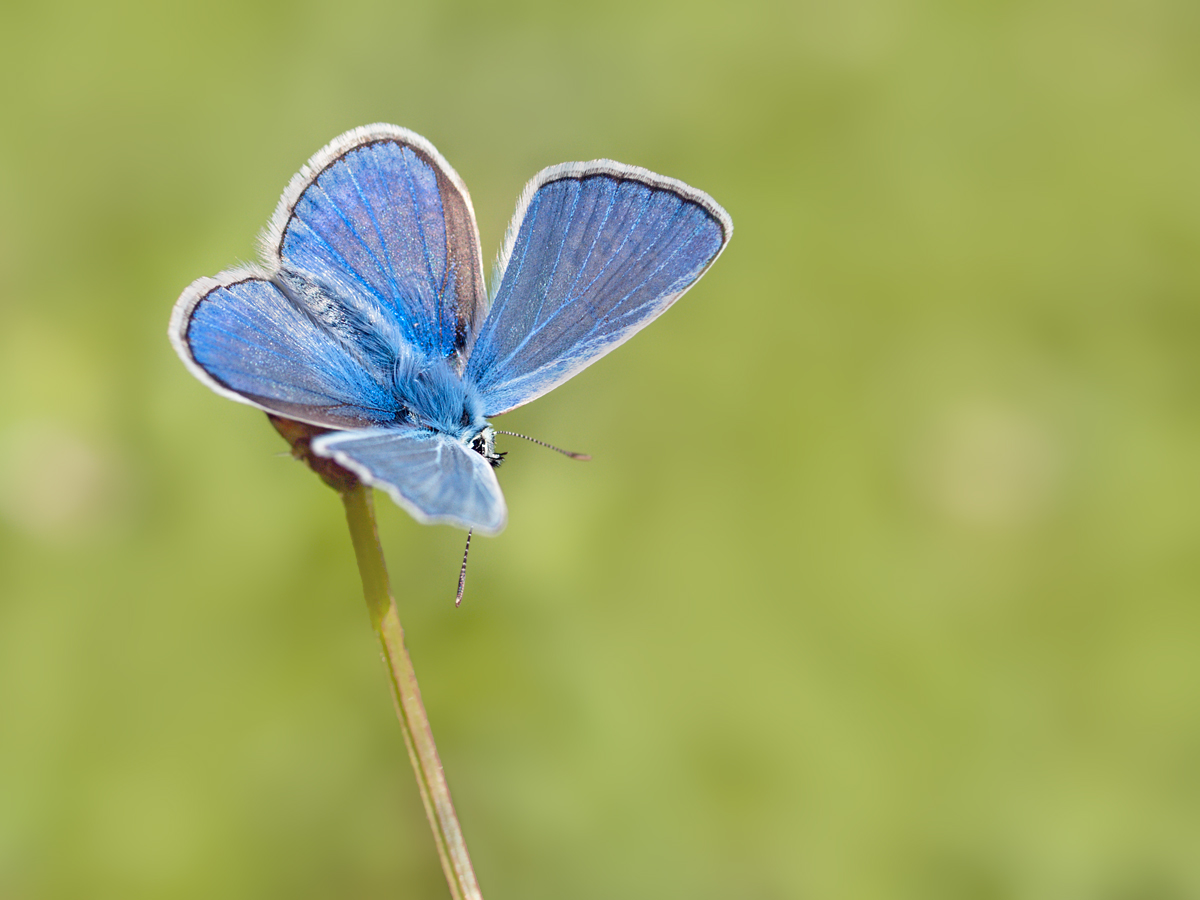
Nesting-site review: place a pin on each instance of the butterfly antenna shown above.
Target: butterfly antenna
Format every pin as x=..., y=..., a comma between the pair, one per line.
x=582, y=456
x=462, y=573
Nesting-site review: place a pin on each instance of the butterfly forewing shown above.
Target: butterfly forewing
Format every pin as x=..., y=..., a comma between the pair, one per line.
x=241, y=335
x=596, y=251
x=435, y=477
x=381, y=231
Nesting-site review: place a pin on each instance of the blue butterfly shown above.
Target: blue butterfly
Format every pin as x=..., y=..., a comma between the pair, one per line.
x=369, y=317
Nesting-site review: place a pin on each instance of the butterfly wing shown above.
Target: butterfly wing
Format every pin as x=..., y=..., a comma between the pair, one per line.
x=241, y=335
x=436, y=478
x=379, y=233
x=372, y=253
x=595, y=252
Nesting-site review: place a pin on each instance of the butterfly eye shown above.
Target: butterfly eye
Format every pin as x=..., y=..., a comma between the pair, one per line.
x=466, y=417
x=483, y=444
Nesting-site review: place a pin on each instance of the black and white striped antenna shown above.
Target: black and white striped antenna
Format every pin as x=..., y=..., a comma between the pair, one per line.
x=462, y=572
x=580, y=456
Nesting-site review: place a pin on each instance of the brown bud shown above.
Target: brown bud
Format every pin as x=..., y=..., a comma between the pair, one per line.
x=300, y=435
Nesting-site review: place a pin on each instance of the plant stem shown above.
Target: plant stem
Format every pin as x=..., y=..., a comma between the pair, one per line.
x=418, y=737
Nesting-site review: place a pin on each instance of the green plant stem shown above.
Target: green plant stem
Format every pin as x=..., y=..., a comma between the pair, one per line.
x=418, y=737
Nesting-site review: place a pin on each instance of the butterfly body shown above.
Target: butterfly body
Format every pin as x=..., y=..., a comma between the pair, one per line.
x=370, y=318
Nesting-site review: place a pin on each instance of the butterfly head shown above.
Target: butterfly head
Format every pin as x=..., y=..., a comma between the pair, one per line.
x=484, y=443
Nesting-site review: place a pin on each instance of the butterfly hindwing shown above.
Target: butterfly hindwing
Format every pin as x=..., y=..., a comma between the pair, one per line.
x=380, y=230
x=436, y=478
x=595, y=252
x=240, y=334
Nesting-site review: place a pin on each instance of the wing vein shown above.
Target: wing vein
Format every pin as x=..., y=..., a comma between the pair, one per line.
x=612, y=202
x=537, y=329
x=336, y=207
x=345, y=264
x=385, y=264
x=562, y=243
x=496, y=311
x=412, y=199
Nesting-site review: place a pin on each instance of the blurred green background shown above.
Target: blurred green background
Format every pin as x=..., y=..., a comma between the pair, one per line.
x=883, y=583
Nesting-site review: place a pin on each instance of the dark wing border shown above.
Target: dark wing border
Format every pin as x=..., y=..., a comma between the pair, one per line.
x=619, y=171
x=580, y=171
x=181, y=320
x=271, y=240
x=271, y=246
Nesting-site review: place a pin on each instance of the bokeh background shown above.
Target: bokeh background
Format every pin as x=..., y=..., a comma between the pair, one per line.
x=883, y=582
